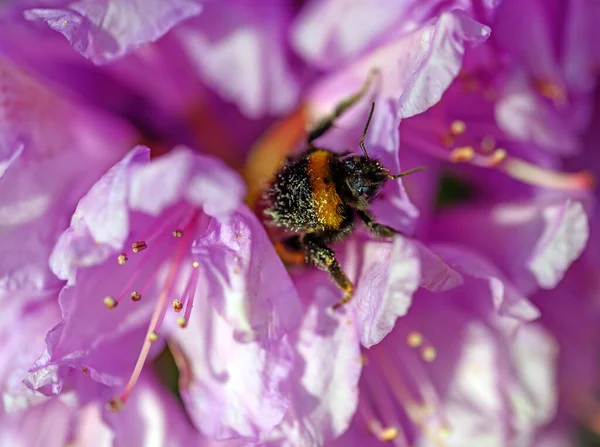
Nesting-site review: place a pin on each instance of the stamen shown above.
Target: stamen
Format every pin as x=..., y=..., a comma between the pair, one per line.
x=115, y=405
x=139, y=246
x=122, y=259
x=497, y=157
x=177, y=306
x=551, y=90
x=135, y=296
x=380, y=397
x=535, y=175
x=188, y=296
x=156, y=319
x=462, y=154
x=458, y=127
x=110, y=302
x=177, y=233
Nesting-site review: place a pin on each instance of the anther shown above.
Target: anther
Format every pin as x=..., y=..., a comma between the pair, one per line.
x=178, y=233
x=414, y=339
x=139, y=246
x=110, y=302
x=182, y=322
x=462, y=154
x=177, y=305
x=458, y=127
x=115, y=405
x=135, y=296
x=152, y=337
x=388, y=434
x=551, y=90
x=122, y=258
x=195, y=264
x=497, y=157
x=429, y=353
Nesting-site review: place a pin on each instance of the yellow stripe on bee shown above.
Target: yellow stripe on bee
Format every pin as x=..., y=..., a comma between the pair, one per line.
x=325, y=197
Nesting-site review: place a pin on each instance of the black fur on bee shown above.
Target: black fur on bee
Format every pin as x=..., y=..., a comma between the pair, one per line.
x=318, y=195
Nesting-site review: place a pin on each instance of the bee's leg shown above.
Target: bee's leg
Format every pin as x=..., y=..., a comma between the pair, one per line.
x=377, y=229
x=290, y=250
x=325, y=123
x=323, y=257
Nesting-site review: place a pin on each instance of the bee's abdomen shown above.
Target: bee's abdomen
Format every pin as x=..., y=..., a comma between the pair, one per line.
x=289, y=197
x=327, y=203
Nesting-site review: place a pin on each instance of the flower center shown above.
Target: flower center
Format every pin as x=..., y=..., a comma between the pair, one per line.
x=399, y=395
x=177, y=255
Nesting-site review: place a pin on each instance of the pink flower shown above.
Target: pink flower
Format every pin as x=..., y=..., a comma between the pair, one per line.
x=173, y=233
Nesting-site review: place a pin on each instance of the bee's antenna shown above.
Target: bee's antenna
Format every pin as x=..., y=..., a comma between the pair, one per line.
x=364, y=134
x=403, y=174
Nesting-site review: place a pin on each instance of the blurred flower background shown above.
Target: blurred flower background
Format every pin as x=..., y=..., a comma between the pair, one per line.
x=144, y=302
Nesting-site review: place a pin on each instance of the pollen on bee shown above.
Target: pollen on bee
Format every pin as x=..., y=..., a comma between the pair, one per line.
x=195, y=264
x=135, y=296
x=178, y=233
x=462, y=154
x=122, y=258
x=110, y=302
x=139, y=246
x=152, y=337
x=429, y=353
x=458, y=127
x=414, y=339
x=177, y=305
x=182, y=322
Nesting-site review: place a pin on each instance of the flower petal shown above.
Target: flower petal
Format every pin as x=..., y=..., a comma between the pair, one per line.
x=389, y=275
x=414, y=70
x=203, y=181
x=231, y=388
x=108, y=30
x=100, y=224
x=247, y=281
x=239, y=36
x=565, y=235
x=323, y=385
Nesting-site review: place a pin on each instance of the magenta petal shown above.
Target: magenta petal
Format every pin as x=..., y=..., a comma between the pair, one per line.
x=47, y=425
x=510, y=304
x=203, y=181
x=100, y=224
x=565, y=235
x=240, y=36
x=153, y=413
x=389, y=275
x=441, y=62
x=414, y=70
x=247, y=281
x=231, y=389
x=324, y=384
x=106, y=30
x=500, y=393
x=436, y=275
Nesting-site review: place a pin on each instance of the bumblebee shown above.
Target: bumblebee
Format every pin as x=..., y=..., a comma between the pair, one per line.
x=317, y=195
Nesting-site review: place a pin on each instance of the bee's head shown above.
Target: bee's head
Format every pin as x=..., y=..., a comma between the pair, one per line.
x=364, y=177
